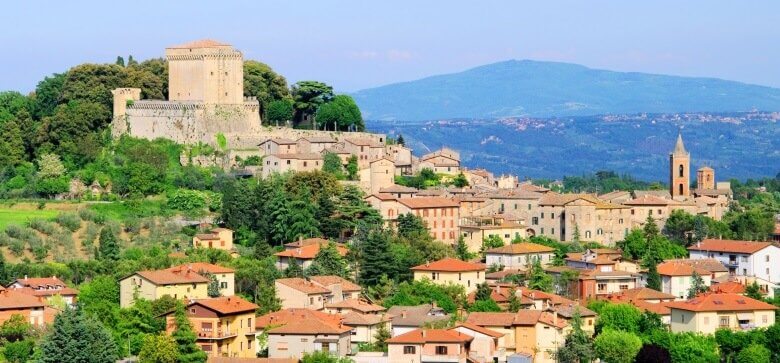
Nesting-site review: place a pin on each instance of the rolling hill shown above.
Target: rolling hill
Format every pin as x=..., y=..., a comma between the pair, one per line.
x=527, y=88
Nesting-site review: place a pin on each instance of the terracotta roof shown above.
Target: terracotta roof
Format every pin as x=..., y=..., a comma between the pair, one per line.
x=207, y=236
x=479, y=329
x=658, y=308
x=643, y=293
x=721, y=302
x=299, y=156
x=431, y=193
x=648, y=200
x=395, y=188
x=10, y=299
x=416, y=315
x=450, y=265
x=306, y=242
x=353, y=318
x=64, y=291
x=567, y=310
x=169, y=277
x=527, y=317
x=202, y=43
x=280, y=141
x=709, y=264
x=725, y=245
x=364, y=142
x=39, y=282
x=527, y=186
x=730, y=287
x=356, y=304
x=227, y=305
x=282, y=317
x=491, y=319
x=428, y=202
x=657, y=193
x=423, y=336
x=553, y=321
x=202, y=268
x=521, y=248
x=564, y=199
x=679, y=269
x=310, y=327
x=309, y=252
x=346, y=285
x=303, y=285
x=318, y=139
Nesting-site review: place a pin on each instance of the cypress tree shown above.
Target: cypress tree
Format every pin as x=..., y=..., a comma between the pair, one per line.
x=189, y=351
x=650, y=228
x=109, y=247
x=77, y=338
x=375, y=258
x=653, y=278
x=213, y=288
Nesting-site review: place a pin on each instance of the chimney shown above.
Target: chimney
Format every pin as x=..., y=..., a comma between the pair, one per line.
x=434, y=305
x=403, y=314
x=423, y=333
x=555, y=317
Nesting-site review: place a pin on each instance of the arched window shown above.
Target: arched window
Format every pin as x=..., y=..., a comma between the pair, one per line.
x=681, y=171
x=599, y=231
x=587, y=234
x=681, y=189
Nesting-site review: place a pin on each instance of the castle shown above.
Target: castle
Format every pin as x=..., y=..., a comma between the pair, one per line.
x=206, y=97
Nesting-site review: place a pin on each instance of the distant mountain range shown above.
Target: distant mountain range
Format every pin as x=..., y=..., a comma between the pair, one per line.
x=550, y=89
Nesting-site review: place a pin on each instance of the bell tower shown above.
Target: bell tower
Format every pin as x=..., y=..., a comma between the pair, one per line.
x=680, y=170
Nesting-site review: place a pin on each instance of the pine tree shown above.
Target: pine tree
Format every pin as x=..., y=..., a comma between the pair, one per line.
x=262, y=249
x=576, y=244
x=301, y=220
x=578, y=347
x=189, y=351
x=697, y=285
x=266, y=299
x=109, y=247
x=483, y=292
x=131, y=61
x=515, y=303
x=11, y=144
x=120, y=61
x=381, y=337
x=400, y=140
x=753, y=291
x=293, y=270
x=650, y=229
x=213, y=288
x=538, y=279
x=653, y=278
x=462, y=250
x=328, y=261
x=376, y=259
x=279, y=217
x=75, y=338
x=699, y=230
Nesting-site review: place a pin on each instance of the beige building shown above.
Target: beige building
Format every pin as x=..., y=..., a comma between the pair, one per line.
x=707, y=313
x=657, y=208
x=45, y=288
x=315, y=144
x=282, y=163
x=519, y=256
x=452, y=271
x=402, y=157
x=218, y=238
x=365, y=327
x=299, y=337
x=316, y=292
x=366, y=150
x=153, y=284
x=304, y=255
x=206, y=97
x=677, y=278
x=279, y=146
x=379, y=174
x=475, y=230
x=224, y=326
x=596, y=220
x=443, y=161
x=440, y=215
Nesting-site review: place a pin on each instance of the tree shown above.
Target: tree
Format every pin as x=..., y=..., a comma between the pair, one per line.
x=352, y=167
x=614, y=346
x=262, y=249
x=460, y=181
x=488, y=305
x=158, y=348
x=109, y=246
x=515, y=304
x=48, y=93
x=50, y=166
x=411, y=225
x=328, y=261
x=185, y=338
x=376, y=259
x=213, y=288
x=753, y=291
x=400, y=140
x=120, y=61
x=490, y=242
x=323, y=357
x=381, y=337
x=76, y=337
x=266, y=299
x=650, y=229
x=342, y=113
x=578, y=347
x=262, y=82
x=623, y=317
x=308, y=96
x=697, y=286
x=279, y=111
x=331, y=164
x=755, y=353
x=301, y=219
x=462, y=250
x=538, y=279
x=634, y=245
x=12, y=150
x=484, y=292
x=653, y=278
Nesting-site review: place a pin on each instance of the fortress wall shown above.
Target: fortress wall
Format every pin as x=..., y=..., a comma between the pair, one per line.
x=180, y=124
x=245, y=141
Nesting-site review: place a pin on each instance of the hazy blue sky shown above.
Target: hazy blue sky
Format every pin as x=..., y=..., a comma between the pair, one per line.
x=359, y=44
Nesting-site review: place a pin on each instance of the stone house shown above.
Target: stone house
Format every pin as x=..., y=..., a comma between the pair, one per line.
x=475, y=230
x=596, y=220
x=153, y=284
x=218, y=238
x=519, y=256
x=282, y=163
x=315, y=292
x=299, y=337
x=451, y=271
x=304, y=256
x=429, y=345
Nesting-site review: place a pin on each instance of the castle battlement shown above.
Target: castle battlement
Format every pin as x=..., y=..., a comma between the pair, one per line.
x=165, y=105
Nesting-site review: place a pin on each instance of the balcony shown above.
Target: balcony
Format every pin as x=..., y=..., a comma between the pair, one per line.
x=216, y=335
x=731, y=263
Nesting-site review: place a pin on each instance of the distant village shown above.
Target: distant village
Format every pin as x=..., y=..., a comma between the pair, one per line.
x=333, y=314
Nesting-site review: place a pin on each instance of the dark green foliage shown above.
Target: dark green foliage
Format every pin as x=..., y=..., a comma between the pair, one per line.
x=109, y=246
x=328, y=261
x=424, y=292
x=462, y=250
x=653, y=278
x=400, y=140
x=753, y=291
x=578, y=346
x=308, y=96
x=650, y=229
x=375, y=257
x=189, y=351
x=19, y=351
x=538, y=279
x=697, y=286
x=623, y=317
x=460, y=181
x=352, y=167
x=410, y=225
x=77, y=337
x=614, y=346
x=483, y=292
x=331, y=164
x=488, y=305
x=267, y=86
x=601, y=182
x=279, y=112
x=755, y=353
x=341, y=113
x=213, y=288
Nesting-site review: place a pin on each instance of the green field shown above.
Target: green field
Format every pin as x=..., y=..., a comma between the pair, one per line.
x=20, y=217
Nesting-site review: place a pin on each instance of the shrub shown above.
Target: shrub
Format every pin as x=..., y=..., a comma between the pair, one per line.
x=13, y=231
x=43, y=226
x=69, y=220
x=16, y=247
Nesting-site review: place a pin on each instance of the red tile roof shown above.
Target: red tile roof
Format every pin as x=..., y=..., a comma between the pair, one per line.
x=310, y=327
x=521, y=248
x=491, y=319
x=679, y=269
x=202, y=268
x=642, y=293
x=721, y=302
x=282, y=317
x=309, y=252
x=658, y=308
x=303, y=285
x=39, y=282
x=346, y=285
x=731, y=287
x=10, y=299
x=356, y=304
x=450, y=265
x=227, y=305
x=169, y=277
x=428, y=202
x=423, y=336
x=479, y=329
x=725, y=245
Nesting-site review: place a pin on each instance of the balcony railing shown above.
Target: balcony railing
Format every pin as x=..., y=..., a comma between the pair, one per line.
x=216, y=334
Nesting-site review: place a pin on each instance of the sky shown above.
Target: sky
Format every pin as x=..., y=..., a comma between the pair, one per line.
x=356, y=44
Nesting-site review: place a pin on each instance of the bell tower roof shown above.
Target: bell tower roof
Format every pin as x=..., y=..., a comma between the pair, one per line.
x=679, y=147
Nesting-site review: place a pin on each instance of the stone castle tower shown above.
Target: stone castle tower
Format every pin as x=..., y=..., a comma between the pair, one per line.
x=679, y=170
x=705, y=178
x=205, y=71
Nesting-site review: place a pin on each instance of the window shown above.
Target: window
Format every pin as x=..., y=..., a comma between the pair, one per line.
x=660, y=212
x=680, y=189
x=620, y=221
x=552, y=230
x=441, y=350
x=764, y=319
x=724, y=321
x=325, y=347
x=766, y=258
x=541, y=230
x=288, y=162
x=624, y=287
x=587, y=234
x=305, y=164
x=529, y=206
x=602, y=287
x=534, y=221
x=552, y=215
x=541, y=215
x=409, y=349
x=223, y=285
x=599, y=231
x=681, y=170
x=650, y=211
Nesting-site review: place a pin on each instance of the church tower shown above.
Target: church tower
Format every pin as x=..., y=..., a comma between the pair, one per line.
x=680, y=170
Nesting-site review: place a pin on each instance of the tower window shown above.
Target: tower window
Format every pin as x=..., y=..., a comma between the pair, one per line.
x=681, y=189
x=681, y=171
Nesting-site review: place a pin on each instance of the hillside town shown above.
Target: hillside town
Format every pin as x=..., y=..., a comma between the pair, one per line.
x=418, y=258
